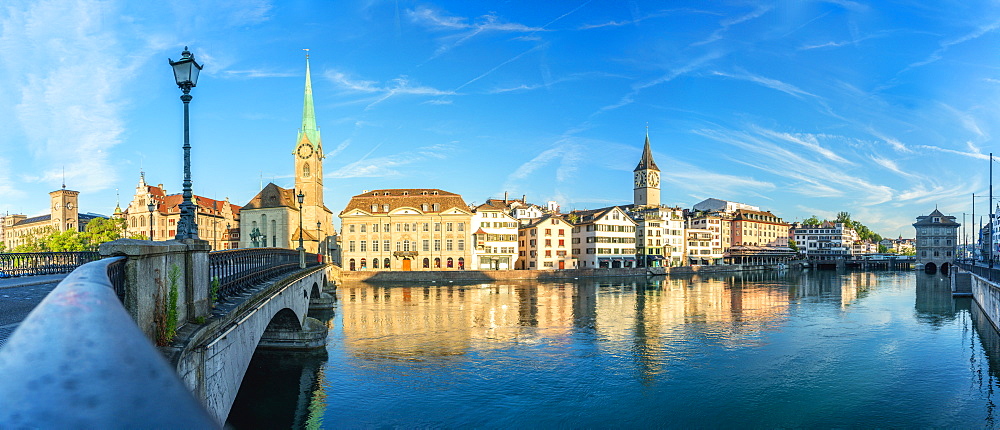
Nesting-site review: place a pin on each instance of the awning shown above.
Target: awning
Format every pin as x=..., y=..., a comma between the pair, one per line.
x=655, y=257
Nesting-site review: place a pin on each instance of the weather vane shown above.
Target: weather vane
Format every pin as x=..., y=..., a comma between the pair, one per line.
x=307, y=52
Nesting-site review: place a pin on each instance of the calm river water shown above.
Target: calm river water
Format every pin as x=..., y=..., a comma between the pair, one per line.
x=795, y=349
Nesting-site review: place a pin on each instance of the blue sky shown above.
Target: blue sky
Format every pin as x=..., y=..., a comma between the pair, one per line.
x=883, y=109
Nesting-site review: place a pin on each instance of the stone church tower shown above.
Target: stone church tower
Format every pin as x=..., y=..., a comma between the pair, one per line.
x=646, y=175
x=65, y=209
x=271, y=218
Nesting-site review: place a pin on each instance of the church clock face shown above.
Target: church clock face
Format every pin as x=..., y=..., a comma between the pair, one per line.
x=654, y=180
x=305, y=150
x=640, y=179
x=69, y=205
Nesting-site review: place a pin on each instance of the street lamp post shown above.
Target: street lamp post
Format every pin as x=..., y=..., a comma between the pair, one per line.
x=151, y=206
x=302, y=248
x=228, y=236
x=186, y=72
x=319, y=242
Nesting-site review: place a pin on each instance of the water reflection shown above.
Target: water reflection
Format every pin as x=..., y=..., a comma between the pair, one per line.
x=811, y=348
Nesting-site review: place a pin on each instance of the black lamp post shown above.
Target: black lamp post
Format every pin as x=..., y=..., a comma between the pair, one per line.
x=186, y=72
x=302, y=249
x=318, y=237
x=151, y=206
x=228, y=236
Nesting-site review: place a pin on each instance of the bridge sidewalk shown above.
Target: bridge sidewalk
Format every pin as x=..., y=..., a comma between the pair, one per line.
x=25, y=281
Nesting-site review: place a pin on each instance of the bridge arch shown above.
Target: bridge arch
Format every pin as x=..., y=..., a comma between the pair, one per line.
x=930, y=268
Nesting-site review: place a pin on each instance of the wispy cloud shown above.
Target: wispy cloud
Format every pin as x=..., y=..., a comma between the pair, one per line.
x=727, y=23
x=255, y=73
x=490, y=23
x=947, y=44
x=389, y=166
x=773, y=84
x=384, y=91
x=35, y=39
x=670, y=75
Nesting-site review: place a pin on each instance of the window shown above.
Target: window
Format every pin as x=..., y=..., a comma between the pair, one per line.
x=385, y=228
x=437, y=226
x=427, y=226
x=350, y=228
x=374, y=208
x=447, y=245
x=548, y=232
x=350, y=246
x=363, y=243
x=375, y=228
x=385, y=208
x=385, y=263
x=374, y=263
x=364, y=228
x=437, y=245
x=427, y=246
x=562, y=242
x=375, y=245
x=448, y=227
x=461, y=244
x=385, y=247
x=427, y=263
x=461, y=226
x=451, y=263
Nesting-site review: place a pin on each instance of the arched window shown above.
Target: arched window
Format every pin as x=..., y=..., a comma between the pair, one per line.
x=352, y=264
x=274, y=233
x=374, y=263
x=385, y=263
x=427, y=263
x=437, y=263
x=364, y=265
x=305, y=170
x=451, y=263
x=461, y=263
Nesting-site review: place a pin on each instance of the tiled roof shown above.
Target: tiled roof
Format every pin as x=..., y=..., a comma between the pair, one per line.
x=32, y=220
x=943, y=220
x=409, y=197
x=273, y=196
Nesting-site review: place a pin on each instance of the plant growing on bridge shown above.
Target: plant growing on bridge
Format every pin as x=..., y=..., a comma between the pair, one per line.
x=171, y=322
x=215, y=290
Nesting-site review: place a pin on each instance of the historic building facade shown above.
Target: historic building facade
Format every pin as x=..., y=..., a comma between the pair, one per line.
x=546, y=243
x=826, y=239
x=604, y=238
x=64, y=215
x=213, y=217
x=494, y=237
x=275, y=217
x=406, y=229
x=937, y=238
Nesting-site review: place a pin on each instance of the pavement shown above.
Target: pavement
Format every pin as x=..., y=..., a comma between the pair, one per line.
x=18, y=296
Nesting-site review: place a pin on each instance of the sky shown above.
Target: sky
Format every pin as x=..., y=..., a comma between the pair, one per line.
x=882, y=109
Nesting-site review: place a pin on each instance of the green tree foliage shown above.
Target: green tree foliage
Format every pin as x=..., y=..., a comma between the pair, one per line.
x=882, y=249
x=794, y=246
x=98, y=231
x=812, y=221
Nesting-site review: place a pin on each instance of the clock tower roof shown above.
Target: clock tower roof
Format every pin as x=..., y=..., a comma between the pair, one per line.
x=309, y=131
x=646, y=162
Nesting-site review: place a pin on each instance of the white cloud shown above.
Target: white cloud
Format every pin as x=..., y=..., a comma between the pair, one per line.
x=769, y=83
x=384, y=91
x=388, y=166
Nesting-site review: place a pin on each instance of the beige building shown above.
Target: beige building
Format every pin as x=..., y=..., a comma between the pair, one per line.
x=65, y=215
x=546, y=243
x=406, y=229
x=273, y=217
x=214, y=217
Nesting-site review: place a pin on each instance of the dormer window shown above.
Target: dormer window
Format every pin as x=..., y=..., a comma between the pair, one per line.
x=437, y=207
x=386, y=193
x=423, y=207
x=937, y=219
x=435, y=193
x=406, y=193
x=385, y=208
x=374, y=208
x=423, y=193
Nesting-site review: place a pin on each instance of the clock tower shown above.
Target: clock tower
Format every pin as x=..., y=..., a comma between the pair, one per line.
x=65, y=212
x=308, y=155
x=646, y=179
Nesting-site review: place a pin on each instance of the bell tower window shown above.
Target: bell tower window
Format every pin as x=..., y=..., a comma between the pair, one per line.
x=305, y=170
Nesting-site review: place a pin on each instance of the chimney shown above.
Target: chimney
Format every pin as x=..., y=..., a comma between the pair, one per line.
x=504, y=197
x=524, y=198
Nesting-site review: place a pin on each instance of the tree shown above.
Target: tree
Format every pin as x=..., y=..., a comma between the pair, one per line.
x=844, y=217
x=882, y=249
x=812, y=221
x=794, y=246
x=67, y=241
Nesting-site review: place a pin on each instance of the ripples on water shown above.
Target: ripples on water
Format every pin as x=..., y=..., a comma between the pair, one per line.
x=820, y=349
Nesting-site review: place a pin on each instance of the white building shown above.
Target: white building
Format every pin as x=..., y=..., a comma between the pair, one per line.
x=827, y=239
x=700, y=248
x=717, y=205
x=604, y=238
x=494, y=237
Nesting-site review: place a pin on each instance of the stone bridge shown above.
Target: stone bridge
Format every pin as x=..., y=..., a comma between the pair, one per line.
x=207, y=312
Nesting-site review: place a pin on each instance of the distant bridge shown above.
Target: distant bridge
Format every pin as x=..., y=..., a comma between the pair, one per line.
x=870, y=261
x=95, y=366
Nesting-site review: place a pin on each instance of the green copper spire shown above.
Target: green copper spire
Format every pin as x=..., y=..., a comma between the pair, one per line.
x=309, y=130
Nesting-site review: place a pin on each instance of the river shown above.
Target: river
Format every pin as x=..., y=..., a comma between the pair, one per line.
x=770, y=349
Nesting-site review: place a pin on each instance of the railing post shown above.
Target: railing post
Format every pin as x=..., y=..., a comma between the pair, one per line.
x=152, y=269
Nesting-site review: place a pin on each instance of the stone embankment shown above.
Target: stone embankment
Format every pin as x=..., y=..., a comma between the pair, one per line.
x=504, y=275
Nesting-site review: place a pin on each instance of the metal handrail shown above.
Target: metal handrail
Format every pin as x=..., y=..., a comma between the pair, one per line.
x=87, y=365
x=236, y=270
x=43, y=263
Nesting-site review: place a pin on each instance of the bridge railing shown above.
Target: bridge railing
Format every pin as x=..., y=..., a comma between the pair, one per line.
x=43, y=263
x=985, y=272
x=238, y=269
x=86, y=364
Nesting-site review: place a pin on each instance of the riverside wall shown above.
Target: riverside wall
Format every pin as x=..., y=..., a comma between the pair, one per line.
x=987, y=295
x=505, y=275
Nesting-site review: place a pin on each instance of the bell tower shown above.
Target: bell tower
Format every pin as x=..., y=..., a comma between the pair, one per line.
x=308, y=155
x=65, y=209
x=646, y=179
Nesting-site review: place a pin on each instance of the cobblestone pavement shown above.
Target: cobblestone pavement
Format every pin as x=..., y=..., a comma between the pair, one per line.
x=18, y=296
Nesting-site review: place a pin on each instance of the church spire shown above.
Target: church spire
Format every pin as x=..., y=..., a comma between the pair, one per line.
x=646, y=162
x=309, y=130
